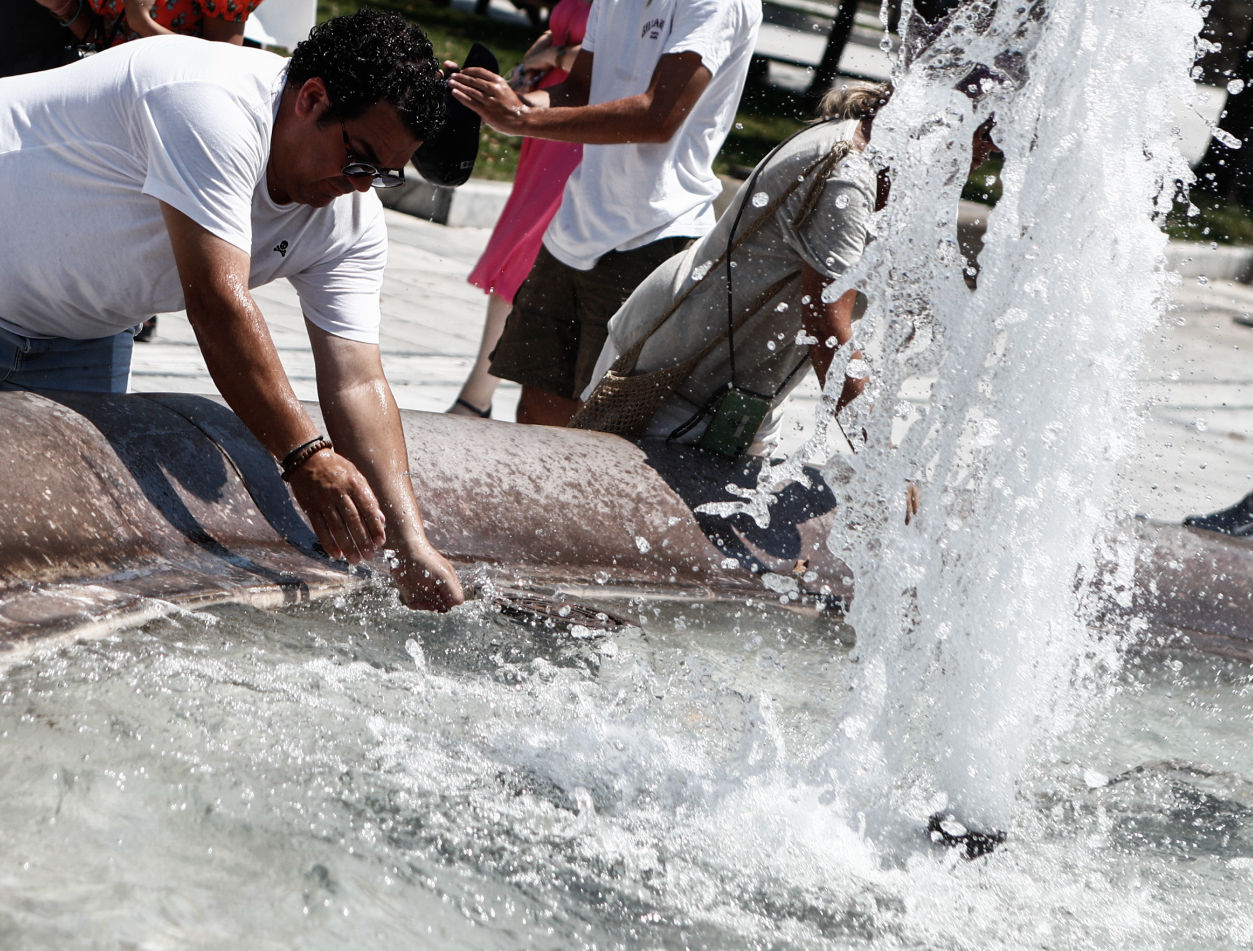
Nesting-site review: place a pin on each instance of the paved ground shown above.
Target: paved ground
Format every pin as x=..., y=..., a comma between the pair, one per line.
x=1196, y=455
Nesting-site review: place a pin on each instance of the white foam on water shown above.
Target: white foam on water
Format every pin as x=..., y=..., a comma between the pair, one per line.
x=318, y=779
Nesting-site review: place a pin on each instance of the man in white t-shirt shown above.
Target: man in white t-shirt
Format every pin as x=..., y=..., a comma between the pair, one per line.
x=176, y=173
x=652, y=96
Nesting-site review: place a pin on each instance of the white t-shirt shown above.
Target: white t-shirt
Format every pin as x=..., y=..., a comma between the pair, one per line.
x=88, y=151
x=626, y=196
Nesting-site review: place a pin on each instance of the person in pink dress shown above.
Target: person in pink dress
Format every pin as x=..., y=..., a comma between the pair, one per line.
x=543, y=167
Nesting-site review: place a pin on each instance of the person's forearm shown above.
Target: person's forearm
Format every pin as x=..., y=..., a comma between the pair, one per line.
x=831, y=324
x=364, y=423
x=562, y=112
x=139, y=18
x=246, y=369
x=244, y=364
x=544, y=42
x=853, y=387
x=565, y=57
x=361, y=414
x=147, y=26
x=621, y=122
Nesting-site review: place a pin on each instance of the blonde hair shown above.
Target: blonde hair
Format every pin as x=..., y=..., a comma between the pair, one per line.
x=855, y=100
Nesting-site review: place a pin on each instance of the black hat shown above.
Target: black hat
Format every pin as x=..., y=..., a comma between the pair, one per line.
x=447, y=157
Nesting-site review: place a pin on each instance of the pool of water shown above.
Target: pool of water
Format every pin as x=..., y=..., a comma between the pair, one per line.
x=351, y=774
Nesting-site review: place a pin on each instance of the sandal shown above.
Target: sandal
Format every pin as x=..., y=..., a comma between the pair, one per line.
x=1236, y=520
x=466, y=404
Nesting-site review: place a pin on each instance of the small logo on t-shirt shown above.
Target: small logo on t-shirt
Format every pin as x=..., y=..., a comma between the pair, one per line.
x=281, y=248
x=652, y=29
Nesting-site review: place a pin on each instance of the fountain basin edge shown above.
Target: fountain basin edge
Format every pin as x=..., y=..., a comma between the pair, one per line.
x=117, y=509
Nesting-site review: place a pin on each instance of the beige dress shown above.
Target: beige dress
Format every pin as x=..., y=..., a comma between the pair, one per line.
x=766, y=285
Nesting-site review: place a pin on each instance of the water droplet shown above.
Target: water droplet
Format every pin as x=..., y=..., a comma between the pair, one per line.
x=414, y=650
x=841, y=201
x=760, y=199
x=1094, y=780
x=1200, y=425
x=770, y=345
x=699, y=272
x=781, y=307
x=642, y=544
x=1235, y=87
x=1227, y=139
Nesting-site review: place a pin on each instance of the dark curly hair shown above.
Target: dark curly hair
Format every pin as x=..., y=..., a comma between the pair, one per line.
x=369, y=56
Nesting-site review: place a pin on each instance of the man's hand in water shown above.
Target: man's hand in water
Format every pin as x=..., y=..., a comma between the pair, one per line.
x=426, y=580
x=361, y=415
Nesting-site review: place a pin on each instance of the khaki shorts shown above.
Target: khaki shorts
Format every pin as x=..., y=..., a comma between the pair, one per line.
x=560, y=316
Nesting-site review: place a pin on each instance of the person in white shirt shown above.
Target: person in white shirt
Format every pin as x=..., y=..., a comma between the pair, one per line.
x=177, y=173
x=652, y=96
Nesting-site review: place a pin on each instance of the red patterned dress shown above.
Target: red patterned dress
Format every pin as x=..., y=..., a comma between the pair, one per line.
x=543, y=167
x=182, y=16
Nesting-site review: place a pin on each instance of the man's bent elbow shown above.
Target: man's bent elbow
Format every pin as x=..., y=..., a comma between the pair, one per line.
x=664, y=128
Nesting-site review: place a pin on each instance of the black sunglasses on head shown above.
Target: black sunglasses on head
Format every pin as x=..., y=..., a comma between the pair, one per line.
x=379, y=177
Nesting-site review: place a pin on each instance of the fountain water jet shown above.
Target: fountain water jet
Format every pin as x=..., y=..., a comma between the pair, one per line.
x=970, y=621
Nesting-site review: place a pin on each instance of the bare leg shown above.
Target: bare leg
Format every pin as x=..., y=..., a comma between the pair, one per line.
x=480, y=385
x=542, y=408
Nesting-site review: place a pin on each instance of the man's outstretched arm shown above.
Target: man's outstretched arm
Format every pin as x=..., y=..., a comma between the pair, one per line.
x=562, y=112
x=245, y=367
x=363, y=420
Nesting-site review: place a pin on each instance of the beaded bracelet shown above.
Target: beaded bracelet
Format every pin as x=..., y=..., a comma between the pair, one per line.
x=302, y=454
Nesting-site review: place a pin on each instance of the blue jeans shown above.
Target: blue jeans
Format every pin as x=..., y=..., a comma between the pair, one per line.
x=102, y=365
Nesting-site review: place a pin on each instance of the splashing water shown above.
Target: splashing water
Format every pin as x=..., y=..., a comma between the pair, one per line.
x=458, y=782
x=969, y=619
x=351, y=774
